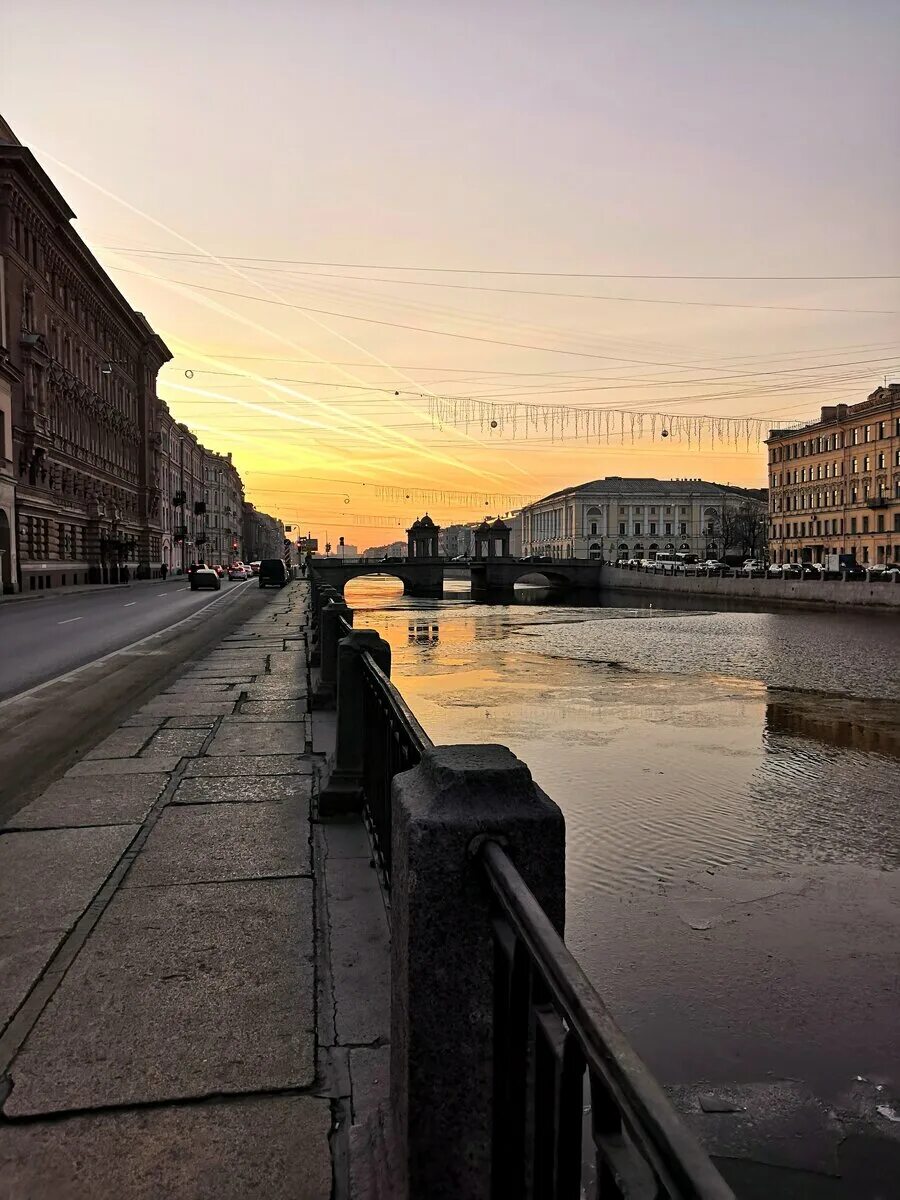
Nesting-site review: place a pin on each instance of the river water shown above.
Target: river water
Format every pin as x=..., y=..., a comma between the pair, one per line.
x=731, y=790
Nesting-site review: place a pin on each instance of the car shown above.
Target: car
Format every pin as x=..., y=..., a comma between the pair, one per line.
x=392, y=558
x=238, y=573
x=254, y=567
x=892, y=573
x=273, y=571
x=754, y=568
x=460, y=558
x=714, y=564
x=220, y=571
x=205, y=577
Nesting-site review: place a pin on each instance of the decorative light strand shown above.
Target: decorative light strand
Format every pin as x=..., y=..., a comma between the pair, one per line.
x=563, y=422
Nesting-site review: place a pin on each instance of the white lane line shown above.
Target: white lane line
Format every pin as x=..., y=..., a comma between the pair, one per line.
x=129, y=604
x=162, y=593
x=69, y=621
x=192, y=616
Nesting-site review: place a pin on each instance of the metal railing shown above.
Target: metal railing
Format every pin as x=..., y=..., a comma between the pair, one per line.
x=393, y=742
x=551, y=1029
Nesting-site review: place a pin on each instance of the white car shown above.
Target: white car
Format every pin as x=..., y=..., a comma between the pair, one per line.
x=753, y=567
x=238, y=572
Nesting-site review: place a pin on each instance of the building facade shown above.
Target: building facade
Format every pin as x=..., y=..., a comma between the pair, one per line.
x=224, y=495
x=79, y=370
x=263, y=536
x=616, y=517
x=834, y=485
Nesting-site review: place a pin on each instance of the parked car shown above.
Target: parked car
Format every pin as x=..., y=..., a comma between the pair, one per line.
x=205, y=577
x=892, y=573
x=272, y=571
x=714, y=564
x=238, y=573
x=754, y=568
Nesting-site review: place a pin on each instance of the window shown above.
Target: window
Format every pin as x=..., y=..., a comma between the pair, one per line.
x=803, y=475
x=853, y=495
x=882, y=427
x=652, y=528
x=682, y=528
x=668, y=527
x=867, y=432
x=593, y=528
x=622, y=529
x=637, y=529
x=879, y=525
x=854, y=465
x=865, y=524
x=867, y=463
x=854, y=440
x=879, y=461
x=853, y=524
x=683, y=511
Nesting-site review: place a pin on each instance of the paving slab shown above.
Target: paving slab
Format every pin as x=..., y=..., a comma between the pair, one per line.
x=213, y=842
x=183, y=742
x=273, y=1146
x=239, y=789
x=183, y=991
x=252, y=764
x=370, y=1081
x=360, y=953
x=190, y=722
x=230, y=678
x=257, y=737
x=122, y=766
x=196, y=688
x=123, y=743
x=48, y=877
x=142, y=719
x=170, y=706
x=290, y=665
x=276, y=688
x=92, y=801
x=279, y=710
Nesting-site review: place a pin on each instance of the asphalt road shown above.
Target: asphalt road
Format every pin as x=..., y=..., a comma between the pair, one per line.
x=43, y=639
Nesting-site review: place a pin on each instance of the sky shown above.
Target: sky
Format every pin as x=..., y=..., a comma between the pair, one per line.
x=348, y=220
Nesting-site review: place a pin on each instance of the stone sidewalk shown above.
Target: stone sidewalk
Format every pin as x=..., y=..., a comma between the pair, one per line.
x=158, y=970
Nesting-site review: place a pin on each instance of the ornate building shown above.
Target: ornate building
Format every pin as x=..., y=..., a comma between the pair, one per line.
x=224, y=493
x=79, y=368
x=834, y=484
x=623, y=518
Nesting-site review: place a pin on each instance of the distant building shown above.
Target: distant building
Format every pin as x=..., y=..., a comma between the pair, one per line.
x=263, y=536
x=224, y=493
x=391, y=550
x=834, y=484
x=617, y=517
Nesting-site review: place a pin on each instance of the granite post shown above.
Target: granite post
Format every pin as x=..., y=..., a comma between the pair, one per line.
x=442, y=955
x=331, y=629
x=344, y=790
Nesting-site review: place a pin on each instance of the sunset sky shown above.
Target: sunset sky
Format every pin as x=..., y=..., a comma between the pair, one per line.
x=320, y=205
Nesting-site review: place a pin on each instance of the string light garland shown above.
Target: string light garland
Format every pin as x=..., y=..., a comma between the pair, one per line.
x=563, y=422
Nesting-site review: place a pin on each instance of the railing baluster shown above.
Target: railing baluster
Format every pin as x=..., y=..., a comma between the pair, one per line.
x=569, y=1121
x=548, y=1038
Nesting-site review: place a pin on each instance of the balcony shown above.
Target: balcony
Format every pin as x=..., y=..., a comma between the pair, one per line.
x=878, y=502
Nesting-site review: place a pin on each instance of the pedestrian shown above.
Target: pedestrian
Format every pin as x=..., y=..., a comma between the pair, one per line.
x=163, y=572
x=125, y=574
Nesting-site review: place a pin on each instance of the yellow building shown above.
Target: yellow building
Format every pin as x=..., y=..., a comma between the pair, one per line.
x=834, y=485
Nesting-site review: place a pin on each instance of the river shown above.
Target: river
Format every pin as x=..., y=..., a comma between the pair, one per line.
x=729, y=781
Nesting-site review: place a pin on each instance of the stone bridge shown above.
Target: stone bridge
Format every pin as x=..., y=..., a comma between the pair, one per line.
x=493, y=579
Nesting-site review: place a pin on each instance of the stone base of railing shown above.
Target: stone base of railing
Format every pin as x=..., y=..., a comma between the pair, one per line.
x=342, y=794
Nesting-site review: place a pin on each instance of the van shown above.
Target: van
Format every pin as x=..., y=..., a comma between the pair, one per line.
x=272, y=571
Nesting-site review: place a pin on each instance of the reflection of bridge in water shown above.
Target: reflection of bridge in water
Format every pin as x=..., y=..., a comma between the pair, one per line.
x=493, y=579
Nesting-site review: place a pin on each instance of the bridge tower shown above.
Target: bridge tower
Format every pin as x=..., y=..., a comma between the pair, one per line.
x=492, y=540
x=422, y=538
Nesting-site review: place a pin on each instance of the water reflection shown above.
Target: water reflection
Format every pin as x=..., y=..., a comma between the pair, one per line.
x=729, y=785
x=424, y=633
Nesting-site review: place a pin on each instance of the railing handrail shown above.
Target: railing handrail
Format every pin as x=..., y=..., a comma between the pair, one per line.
x=392, y=696
x=652, y=1121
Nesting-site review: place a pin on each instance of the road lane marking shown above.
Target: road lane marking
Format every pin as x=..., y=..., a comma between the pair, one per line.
x=69, y=621
x=129, y=604
x=192, y=616
x=162, y=593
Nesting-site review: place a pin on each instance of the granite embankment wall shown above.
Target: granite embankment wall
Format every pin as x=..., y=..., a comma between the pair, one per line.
x=826, y=593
